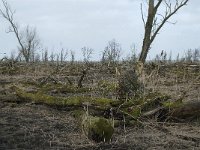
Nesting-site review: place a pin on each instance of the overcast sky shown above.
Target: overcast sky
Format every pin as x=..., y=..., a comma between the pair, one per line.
x=73, y=24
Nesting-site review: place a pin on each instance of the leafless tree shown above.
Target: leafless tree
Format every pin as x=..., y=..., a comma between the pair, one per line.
x=72, y=56
x=159, y=13
x=133, y=56
x=27, y=38
x=37, y=57
x=196, y=55
x=170, y=57
x=192, y=55
x=52, y=57
x=13, y=55
x=111, y=53
x=63, y=55
x=177, y=58
x=45, y=55
x=188, y=55
x=87, y=52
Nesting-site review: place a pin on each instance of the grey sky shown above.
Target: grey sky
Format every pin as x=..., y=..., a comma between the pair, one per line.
x=73, y=24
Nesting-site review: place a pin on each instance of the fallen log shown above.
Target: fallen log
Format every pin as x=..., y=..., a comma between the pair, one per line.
x=186, y=111
x=180, y=112
x=153, y=105
x=63, y=101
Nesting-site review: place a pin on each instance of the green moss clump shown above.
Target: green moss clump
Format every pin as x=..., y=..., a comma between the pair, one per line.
x=98, y=129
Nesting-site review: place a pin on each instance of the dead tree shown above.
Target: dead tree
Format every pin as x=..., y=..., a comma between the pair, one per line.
x=87, y=52
x=156, y=19
x=28, y=39
x=111, y=53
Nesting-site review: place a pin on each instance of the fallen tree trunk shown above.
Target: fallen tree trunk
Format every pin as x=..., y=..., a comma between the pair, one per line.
x=39, y=97
x=183, y=112
x=159, y=106
x=186, y=111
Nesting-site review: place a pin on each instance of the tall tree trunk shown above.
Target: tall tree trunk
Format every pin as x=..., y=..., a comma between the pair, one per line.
x=148, y=31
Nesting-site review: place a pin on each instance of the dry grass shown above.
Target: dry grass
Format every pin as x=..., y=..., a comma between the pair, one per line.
x=31, y=126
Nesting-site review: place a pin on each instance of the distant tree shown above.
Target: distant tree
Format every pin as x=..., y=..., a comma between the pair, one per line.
x=188, y=55
x=63, y=55
x=13, y=55
x=111, y=53
x=72, y=57
x=177, y=58
x=133, y=57
x=37, y=57
x=87, y=52
x=52, y=57
x=196, y=55
x=170, y=57
x=45, y=55
x=27, y=38
x=159, y=12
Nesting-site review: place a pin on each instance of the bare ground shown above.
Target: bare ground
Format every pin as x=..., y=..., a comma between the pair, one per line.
x=30, y=126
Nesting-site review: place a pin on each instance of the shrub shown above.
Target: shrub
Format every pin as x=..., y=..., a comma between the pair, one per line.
x=129, y=85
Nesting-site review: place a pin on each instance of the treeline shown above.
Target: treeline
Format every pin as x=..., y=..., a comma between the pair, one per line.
x=110, y=55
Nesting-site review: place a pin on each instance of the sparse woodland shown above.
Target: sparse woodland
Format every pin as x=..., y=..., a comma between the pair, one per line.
x=53, y=101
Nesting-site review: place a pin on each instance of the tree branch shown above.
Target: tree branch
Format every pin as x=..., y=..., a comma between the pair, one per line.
x=177, y=7
x=142, y=14
x=8, y=15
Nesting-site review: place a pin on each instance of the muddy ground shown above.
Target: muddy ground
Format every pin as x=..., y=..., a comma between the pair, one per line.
x=26, y=125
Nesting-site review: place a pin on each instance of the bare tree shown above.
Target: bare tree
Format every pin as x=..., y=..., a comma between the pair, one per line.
x=111, y=53
x=63, y=55
x=87, y=52
x=196, y=55
x=30, y=42
x=155, y=20
x=45, y=55
x=188, y=56
x=37, y=57
x=12, y=55
x=177, y=58
x=52, y=57
x=28, y=39
x=72, y=57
